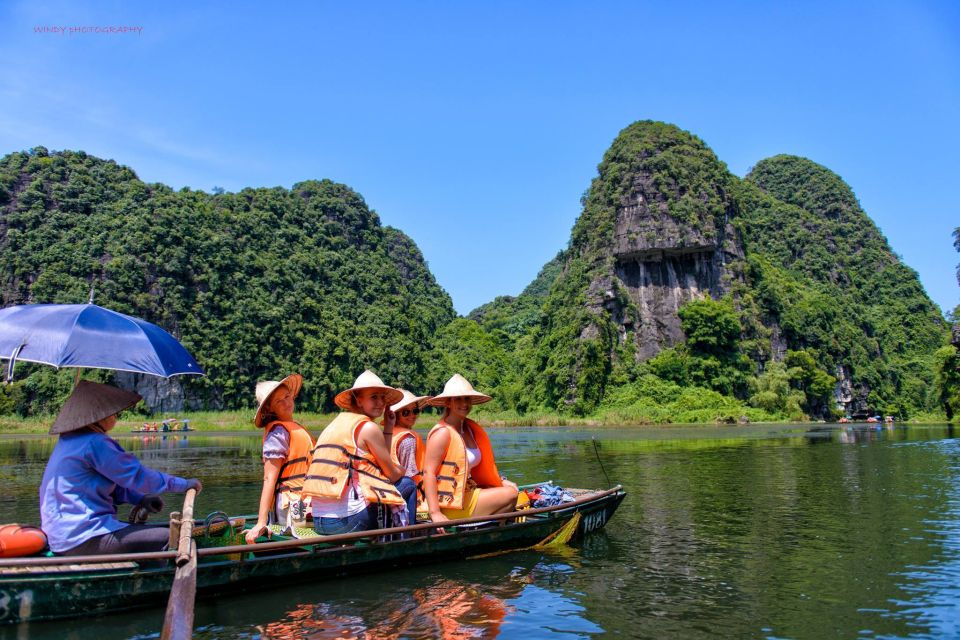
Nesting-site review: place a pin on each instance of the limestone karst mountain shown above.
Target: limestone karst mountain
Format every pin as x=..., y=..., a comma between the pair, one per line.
x=812, y=281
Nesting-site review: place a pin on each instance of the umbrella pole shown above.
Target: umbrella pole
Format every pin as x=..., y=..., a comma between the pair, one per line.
x=76, y=377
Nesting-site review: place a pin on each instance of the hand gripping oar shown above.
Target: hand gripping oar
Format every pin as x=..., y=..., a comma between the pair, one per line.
x=178, y=620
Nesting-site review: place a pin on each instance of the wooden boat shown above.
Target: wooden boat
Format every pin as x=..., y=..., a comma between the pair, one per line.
x=60, y=587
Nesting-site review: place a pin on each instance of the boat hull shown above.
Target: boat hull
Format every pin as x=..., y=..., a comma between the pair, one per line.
x=76, y=592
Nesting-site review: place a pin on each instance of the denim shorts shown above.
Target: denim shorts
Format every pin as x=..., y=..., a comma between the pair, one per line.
x=335, y=526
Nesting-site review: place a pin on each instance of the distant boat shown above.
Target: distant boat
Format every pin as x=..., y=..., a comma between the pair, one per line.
x=170, y=425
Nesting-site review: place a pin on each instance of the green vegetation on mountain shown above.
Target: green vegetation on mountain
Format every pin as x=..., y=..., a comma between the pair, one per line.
x=685, y=293
x=948, y=358
x=256, y=284
x=837, y=289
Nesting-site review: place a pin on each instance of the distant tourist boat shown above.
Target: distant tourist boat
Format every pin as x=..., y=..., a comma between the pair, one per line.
x=167, y=426
x=43, y=588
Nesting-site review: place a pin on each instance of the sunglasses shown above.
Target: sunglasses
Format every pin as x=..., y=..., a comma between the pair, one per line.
x=407, y=412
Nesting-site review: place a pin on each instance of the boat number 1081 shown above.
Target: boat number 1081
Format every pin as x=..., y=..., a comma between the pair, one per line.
x=594, y=521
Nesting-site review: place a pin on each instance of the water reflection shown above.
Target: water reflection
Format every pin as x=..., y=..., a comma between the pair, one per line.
x=788, y=530
x=446, y=609
x=511, y=599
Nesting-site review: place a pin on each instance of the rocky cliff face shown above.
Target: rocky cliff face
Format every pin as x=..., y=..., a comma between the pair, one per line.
x=670, y=240
x=663, y=263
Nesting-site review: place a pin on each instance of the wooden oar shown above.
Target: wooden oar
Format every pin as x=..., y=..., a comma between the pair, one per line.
x=178, y=620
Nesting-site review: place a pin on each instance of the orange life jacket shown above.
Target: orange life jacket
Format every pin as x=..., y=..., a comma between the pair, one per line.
x=453, y=472
x=400, y=434
x=294, y=469
x=336, y=464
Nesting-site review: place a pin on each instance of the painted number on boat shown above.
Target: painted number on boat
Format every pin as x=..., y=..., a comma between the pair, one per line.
x=594, y=521
x=15, y=607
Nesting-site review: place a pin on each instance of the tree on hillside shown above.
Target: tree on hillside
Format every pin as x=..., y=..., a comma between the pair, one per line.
x=956, y=245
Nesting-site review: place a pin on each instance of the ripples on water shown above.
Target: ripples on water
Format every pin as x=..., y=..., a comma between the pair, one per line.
x=760, y=531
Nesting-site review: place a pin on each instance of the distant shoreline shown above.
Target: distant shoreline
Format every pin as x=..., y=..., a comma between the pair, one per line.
x=209, y=422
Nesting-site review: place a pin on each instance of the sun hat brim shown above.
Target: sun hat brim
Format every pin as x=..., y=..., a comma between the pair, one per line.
x=343, y=399
x=475, y=398
x=293, y=382
x=403, y=403
x=91, y=402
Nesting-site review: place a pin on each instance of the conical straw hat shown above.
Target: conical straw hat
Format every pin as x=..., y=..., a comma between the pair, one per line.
x=409, y=398
x=91, y=402
x=265, y=389
x=366, y=380
x=458, y=387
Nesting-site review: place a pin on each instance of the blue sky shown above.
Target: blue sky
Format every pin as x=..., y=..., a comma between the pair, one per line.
x=475, y=126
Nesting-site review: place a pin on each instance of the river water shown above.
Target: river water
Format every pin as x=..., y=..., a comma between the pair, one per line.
x=763, y=531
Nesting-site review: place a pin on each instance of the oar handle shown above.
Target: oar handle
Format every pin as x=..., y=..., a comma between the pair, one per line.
x=186, y=528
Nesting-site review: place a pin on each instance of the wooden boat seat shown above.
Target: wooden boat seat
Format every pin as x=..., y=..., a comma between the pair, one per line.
x=69, y=568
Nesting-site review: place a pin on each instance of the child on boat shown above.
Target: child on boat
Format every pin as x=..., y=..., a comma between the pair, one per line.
x=460, y=477
x=89, y=474
x=287, y=449
x=406, y=445
x=353, y=483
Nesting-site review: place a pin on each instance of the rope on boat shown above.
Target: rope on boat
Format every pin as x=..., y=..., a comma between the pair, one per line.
x=558, y=538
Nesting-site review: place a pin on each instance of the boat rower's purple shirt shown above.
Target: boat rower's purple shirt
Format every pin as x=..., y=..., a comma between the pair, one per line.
x=87, y=476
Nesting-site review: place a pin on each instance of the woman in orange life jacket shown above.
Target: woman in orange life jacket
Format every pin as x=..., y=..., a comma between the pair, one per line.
x=460, y=477
x=287, y=449
x=351, y=480
x=406, y=445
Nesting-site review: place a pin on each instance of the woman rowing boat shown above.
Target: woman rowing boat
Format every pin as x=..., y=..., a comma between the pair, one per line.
x=89, y=474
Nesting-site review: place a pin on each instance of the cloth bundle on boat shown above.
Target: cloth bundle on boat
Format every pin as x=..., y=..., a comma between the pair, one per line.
x=548, y=495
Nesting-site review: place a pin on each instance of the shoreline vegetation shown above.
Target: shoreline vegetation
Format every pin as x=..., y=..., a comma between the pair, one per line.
x=242, y=421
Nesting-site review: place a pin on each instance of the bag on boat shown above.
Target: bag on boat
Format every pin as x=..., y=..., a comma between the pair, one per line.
x=219, y=530
x=548, y=495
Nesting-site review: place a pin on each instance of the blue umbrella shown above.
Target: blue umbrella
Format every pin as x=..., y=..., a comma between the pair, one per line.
x=87, y=335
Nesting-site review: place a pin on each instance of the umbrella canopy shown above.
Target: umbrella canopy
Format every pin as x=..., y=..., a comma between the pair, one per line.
x=89, y=336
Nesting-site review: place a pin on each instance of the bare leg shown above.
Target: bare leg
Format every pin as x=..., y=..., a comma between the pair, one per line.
x=496, y=500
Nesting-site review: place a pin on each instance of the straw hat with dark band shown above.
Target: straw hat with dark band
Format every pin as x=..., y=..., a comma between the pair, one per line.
x=408, y=399
x=367, y=380
x=265, y=389
x=458, y=387
x=91, y=402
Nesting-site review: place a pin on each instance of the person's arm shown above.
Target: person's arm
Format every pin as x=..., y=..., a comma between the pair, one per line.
x=437, y=445
x=129, y=474
x=389, y=422
x=371, y=439
x=271, y=471
x=127, y=496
